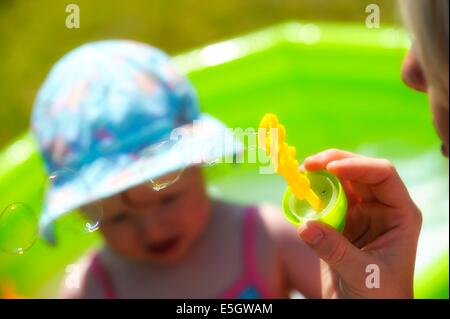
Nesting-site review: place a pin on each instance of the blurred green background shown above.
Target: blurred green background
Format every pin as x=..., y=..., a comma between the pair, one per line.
x=33, y=35
x=332, y=81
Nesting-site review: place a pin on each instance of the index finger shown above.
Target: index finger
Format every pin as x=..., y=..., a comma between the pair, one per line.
x=320, y=160
x=379, y=174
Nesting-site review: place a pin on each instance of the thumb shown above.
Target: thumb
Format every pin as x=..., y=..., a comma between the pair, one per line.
x=333, y=248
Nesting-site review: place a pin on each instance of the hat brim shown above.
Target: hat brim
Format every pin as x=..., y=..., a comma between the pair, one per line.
x=206, y=141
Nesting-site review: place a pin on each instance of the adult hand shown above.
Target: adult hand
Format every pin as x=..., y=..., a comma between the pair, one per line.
x=375, y=256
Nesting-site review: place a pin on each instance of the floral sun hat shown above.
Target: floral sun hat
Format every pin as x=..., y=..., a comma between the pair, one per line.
x=101, y=111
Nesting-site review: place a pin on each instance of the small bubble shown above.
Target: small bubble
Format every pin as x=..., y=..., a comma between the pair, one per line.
x=92, y=215
x=165, y=181
x=66, y=192
x=211, y=153
x=59, y=191
x=18, y=228
x=164, y=156
x=212, y=162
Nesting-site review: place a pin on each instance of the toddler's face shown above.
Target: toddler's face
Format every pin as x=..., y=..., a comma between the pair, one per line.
x=157, y=226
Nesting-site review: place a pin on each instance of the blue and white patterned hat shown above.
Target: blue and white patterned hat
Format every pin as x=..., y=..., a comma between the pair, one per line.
x=101, y=107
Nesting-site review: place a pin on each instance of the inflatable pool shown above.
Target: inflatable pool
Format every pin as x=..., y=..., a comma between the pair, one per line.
x=338, y=84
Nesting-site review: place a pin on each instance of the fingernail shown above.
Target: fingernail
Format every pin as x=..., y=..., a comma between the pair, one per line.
x=311, y=234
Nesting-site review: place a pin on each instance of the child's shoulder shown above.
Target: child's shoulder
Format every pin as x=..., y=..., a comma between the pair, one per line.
x=265, y=237
x=262, y=225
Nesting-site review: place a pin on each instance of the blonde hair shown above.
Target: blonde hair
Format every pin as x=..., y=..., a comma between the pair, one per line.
x=427, y=20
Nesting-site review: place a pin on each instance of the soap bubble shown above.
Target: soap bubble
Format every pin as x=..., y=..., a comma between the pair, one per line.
x=211, y=162
x=204, y=153
x=163, y=156
x=18, y=228
x=165, y=181
x=66, y=194
x=210, y=143
x=84, y=220
x=92, y=215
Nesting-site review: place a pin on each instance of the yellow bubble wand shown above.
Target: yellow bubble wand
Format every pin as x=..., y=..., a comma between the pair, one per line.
x=284, y=159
